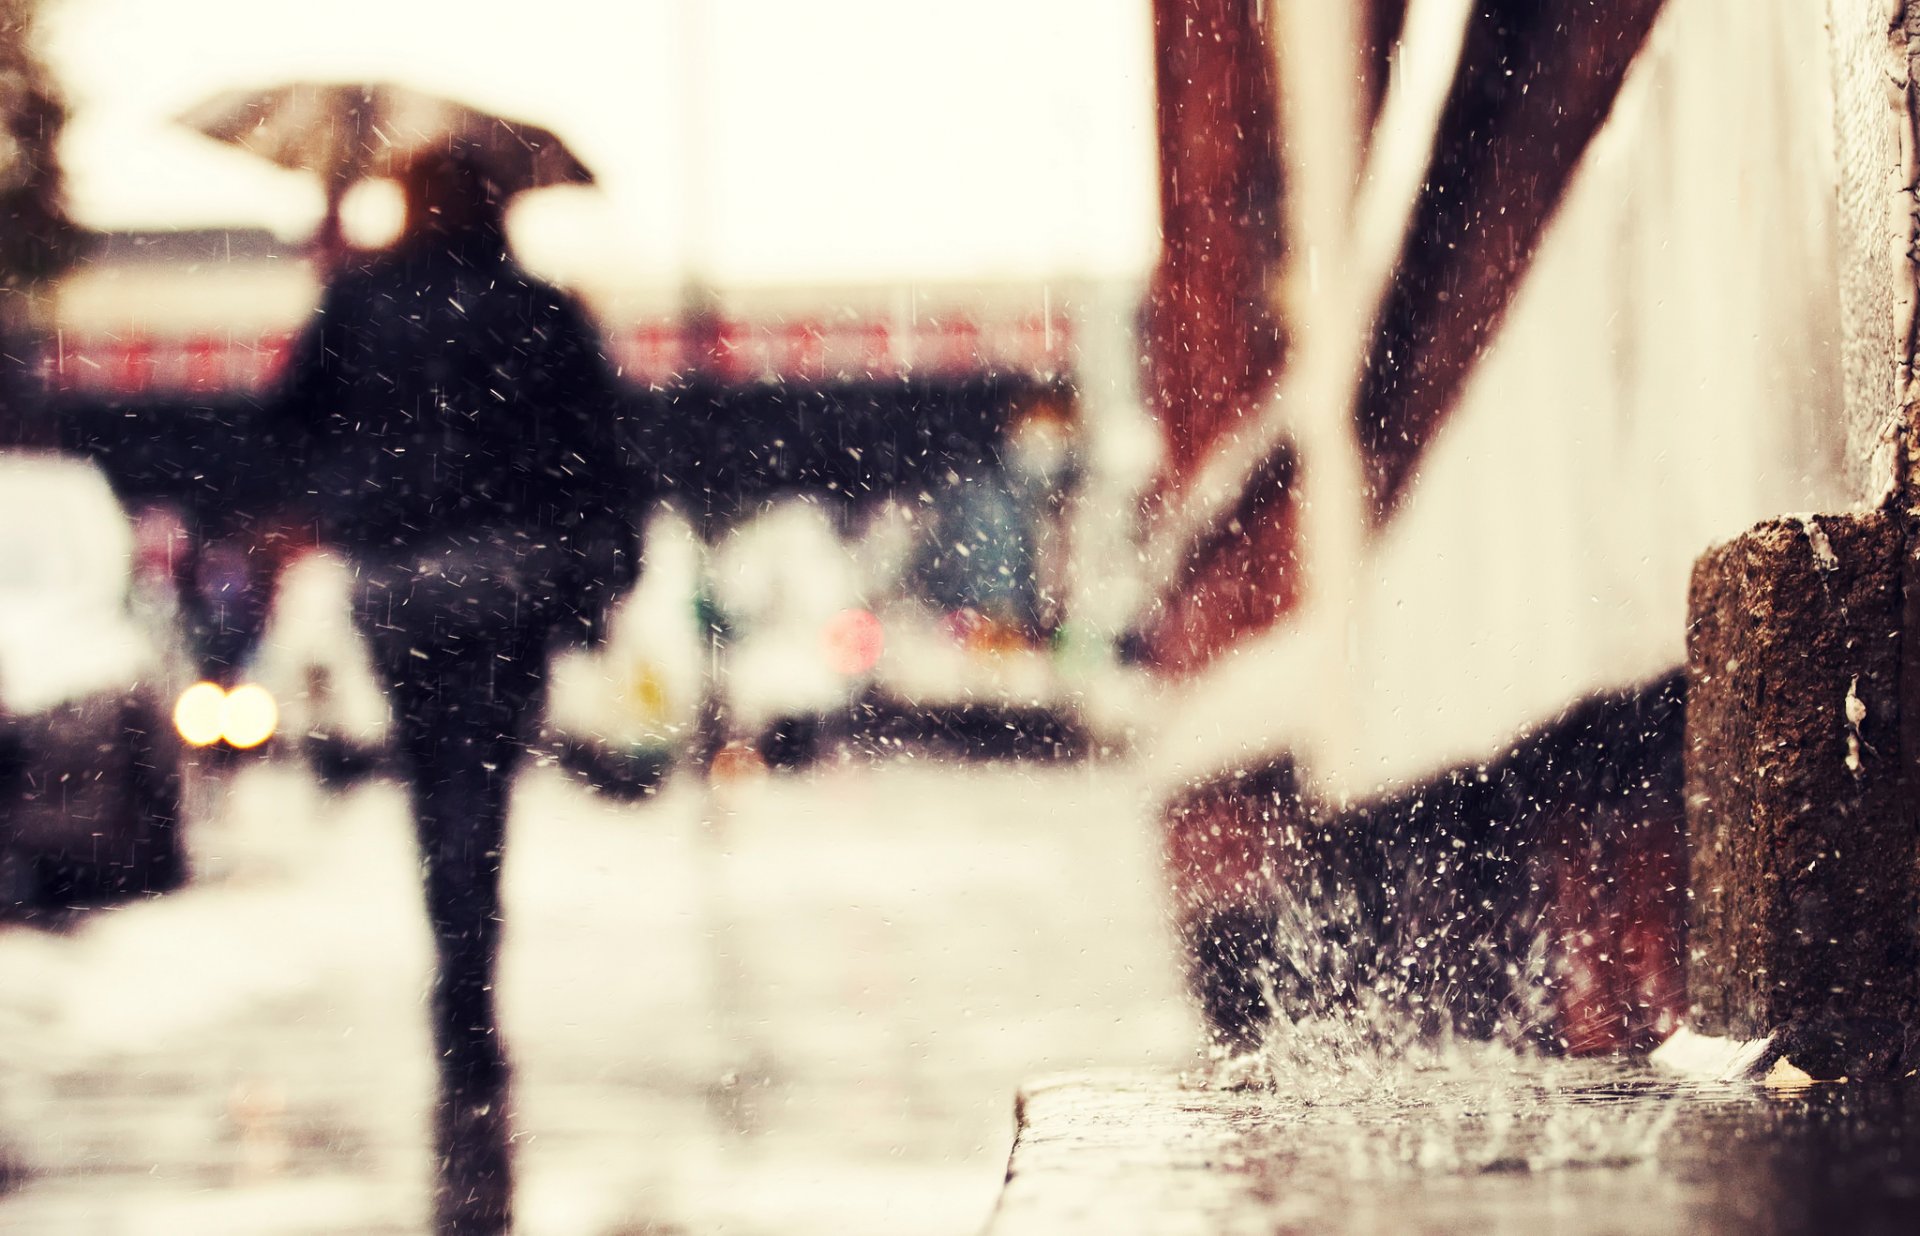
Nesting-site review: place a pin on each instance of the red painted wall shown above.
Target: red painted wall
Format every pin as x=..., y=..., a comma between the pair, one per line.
x=1212, y=345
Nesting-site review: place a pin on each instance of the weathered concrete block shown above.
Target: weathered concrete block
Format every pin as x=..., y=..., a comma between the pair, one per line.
x=1804, y=859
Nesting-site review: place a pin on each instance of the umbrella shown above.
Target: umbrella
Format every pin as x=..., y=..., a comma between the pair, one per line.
x=344, y=132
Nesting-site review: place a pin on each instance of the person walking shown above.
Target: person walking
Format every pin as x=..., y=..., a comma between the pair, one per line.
x=451, y=425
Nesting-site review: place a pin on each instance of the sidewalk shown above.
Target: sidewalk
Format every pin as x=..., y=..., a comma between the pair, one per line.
x=1115, y=1153
x=1546, y=1146
x=806, y=1020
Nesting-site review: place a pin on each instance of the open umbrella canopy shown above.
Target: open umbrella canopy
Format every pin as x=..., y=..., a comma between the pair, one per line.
x=349, y=131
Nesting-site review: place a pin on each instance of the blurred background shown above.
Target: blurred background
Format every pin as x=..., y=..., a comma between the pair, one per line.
x=1090, y=450
x=829, y=847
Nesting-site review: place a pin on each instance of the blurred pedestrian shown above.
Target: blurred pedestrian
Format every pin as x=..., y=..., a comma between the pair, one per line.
x=452, y=427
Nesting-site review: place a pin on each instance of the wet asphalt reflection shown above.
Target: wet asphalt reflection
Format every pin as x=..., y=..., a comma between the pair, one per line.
x=801, y=1005
x=1497, y=1148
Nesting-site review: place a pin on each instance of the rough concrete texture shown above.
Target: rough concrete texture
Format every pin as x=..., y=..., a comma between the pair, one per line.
x=1803, y=851
x=1870, y=89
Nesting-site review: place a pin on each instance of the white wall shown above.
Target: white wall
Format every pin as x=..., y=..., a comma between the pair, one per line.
x=1668, y=374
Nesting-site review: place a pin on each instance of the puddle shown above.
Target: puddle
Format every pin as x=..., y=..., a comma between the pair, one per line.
x=1471, y=1140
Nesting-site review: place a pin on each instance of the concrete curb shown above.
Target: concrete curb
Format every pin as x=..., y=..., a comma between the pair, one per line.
x=1131, y=1152
x=1490, y=1145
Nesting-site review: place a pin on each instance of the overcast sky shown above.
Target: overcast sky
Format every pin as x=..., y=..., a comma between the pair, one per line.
x=762, y=140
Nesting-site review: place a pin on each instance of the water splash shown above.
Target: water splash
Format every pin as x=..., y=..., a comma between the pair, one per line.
x=1365, y=1060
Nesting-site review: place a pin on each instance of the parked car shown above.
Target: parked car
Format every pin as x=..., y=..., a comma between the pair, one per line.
x=91, y=669
x=624, y=714
x=620, y=715
x=800, y=643
x=313, y=665
x=969, y=658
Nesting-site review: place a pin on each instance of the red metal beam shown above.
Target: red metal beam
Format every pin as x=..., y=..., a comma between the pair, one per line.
x=1239, y=581
x=1212, y=344
x=1536, y=79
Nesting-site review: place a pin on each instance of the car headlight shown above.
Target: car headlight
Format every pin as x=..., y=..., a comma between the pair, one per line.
x=250, y=717
x=243, y=718
x=197, y=713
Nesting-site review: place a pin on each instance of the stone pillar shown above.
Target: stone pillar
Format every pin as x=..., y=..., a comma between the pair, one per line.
x=1804, y=854
x=1804, y=656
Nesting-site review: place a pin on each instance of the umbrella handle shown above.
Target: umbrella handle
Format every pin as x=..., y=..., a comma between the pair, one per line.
x=328, y=244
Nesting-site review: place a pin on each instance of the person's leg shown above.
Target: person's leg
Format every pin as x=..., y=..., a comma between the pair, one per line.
x=459, y=806
x=461, y=720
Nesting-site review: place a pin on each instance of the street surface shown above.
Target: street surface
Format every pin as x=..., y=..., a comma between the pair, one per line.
x=800, y=1005
x=1487, y=1143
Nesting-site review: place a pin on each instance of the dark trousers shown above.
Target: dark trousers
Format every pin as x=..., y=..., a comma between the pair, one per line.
x=464, y=666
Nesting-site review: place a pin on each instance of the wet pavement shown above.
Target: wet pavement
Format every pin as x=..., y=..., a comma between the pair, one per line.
x=1491, y=1147
x=810, y=1016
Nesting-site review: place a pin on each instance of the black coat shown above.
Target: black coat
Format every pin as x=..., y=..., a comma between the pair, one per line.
x=442, y=389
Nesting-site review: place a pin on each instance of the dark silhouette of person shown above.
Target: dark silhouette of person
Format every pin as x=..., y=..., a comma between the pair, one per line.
x=452, y=426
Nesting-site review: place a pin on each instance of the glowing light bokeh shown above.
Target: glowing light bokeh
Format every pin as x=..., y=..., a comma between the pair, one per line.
x=853, y=641
x=249, y=717
x=199, y=713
